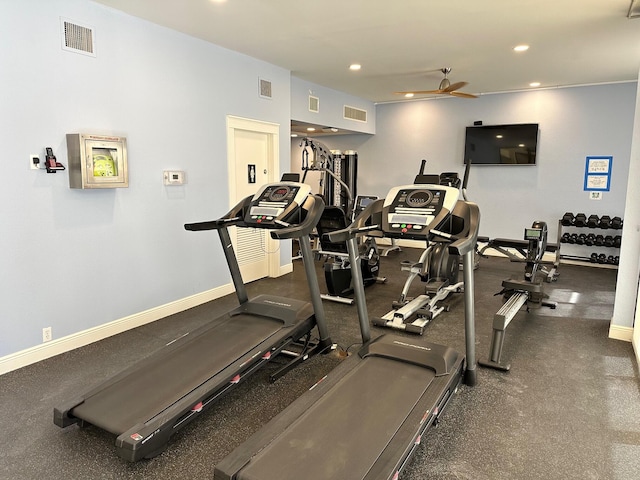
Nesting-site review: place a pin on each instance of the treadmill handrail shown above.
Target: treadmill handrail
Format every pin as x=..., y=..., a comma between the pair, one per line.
x=234, y=216
x=313, y=205
x=359, y=225
x=468, y=243
x=212, y=224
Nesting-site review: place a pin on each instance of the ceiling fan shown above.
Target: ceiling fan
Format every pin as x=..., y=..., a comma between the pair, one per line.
x=445, y=88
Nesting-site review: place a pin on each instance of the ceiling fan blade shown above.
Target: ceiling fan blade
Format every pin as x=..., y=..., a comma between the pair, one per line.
x=422, y=92
x=463, y=95
x=455, y=86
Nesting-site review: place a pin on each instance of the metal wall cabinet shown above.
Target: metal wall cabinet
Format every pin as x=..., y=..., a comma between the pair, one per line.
x=97, y=161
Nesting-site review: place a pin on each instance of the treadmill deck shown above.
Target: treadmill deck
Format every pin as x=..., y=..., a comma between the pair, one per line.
x=356, y=427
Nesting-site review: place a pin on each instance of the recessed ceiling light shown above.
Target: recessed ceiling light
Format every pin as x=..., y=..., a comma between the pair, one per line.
x=311, y=129
x=334, y=129
x=521, y=48
x=534, y=84
x=498, y=136
x=408, y=95
x=355, y=66
x=294, y=135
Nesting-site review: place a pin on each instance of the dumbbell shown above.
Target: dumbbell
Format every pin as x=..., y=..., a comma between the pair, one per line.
x=567, y=219
x=616, y=222
x=605, y=222
x=602, y=258
x=594, y=257
x=617, y=241
x=608, y=241
x=565, y=238
x=611, y=260
x=599, y=241
x=573, y=238
x=590, y=240
x=580, y=220
x=580, y=240
x=592, y=221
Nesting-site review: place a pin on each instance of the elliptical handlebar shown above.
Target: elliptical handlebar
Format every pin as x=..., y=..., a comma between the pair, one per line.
x=465, y=179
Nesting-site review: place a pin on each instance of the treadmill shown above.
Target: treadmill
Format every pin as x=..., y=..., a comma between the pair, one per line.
x=365, y=418
x=145, y=404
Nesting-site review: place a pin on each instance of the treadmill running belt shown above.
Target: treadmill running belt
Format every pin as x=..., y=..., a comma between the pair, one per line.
x=147, y=391
x=366, y=407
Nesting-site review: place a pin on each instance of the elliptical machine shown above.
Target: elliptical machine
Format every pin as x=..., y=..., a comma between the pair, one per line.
x=437, y=268
x=520, y=292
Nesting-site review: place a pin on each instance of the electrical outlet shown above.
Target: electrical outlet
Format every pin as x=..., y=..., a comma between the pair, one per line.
x=46, y=334
x=32, y=164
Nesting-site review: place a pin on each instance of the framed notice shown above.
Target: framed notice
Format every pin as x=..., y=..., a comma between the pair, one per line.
x=597, y=174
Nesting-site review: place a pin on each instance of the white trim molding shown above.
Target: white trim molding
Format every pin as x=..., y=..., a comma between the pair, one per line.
x=80, y=339
x=621, y=333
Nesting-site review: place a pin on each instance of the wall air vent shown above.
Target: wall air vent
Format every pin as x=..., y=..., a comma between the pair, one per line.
x=353, y=113
x=314, y=104
x=264, y=88
x=77, y=38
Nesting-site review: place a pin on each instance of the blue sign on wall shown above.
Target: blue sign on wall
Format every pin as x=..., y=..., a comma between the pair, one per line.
x=597, y=174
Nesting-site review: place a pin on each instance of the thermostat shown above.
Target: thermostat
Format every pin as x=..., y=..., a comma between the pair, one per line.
x=174, y=177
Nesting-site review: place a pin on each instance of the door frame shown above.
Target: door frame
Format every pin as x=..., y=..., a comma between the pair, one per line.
x=272, y=130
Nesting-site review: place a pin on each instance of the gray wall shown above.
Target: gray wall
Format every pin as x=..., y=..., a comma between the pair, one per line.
x=74, y=259
x=574, y=123
x=331, y=107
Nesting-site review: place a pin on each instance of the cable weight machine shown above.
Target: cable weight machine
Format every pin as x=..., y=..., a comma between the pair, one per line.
x=338, y=187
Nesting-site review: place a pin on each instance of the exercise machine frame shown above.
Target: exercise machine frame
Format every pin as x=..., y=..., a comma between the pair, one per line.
x=148, y=402
x=365, y=419
x=518, y=293
x=436, y=267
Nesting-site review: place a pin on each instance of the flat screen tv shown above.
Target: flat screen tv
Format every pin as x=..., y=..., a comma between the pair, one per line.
x=501, y=144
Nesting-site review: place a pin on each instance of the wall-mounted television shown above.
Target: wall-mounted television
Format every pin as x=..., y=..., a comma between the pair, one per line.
x=501, y=144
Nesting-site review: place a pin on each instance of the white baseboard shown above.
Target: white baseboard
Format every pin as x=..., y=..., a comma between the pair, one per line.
x=284, y=269
x=61, y=345
x=621, y=333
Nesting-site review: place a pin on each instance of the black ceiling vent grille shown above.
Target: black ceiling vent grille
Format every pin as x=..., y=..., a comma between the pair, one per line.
x=265, y=88
x=77, y=38
x=356, y=114
x=314, y=104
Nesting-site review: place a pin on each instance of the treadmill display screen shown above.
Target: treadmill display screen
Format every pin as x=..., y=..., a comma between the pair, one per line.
x=419, y=198
x=275, y=205
x=279, y=194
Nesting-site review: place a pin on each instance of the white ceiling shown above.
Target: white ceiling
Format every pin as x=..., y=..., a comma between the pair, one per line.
x=402, y=44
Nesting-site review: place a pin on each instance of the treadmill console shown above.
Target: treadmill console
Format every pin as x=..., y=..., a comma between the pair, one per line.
x=410, y=211
x=274, y=204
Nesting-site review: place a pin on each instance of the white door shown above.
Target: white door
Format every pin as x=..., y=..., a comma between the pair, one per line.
x=252, y=155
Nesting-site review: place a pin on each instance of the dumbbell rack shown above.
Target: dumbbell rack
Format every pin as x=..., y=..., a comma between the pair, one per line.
x=613, y=236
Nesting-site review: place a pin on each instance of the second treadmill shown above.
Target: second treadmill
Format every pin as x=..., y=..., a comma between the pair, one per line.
x=365, y=419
